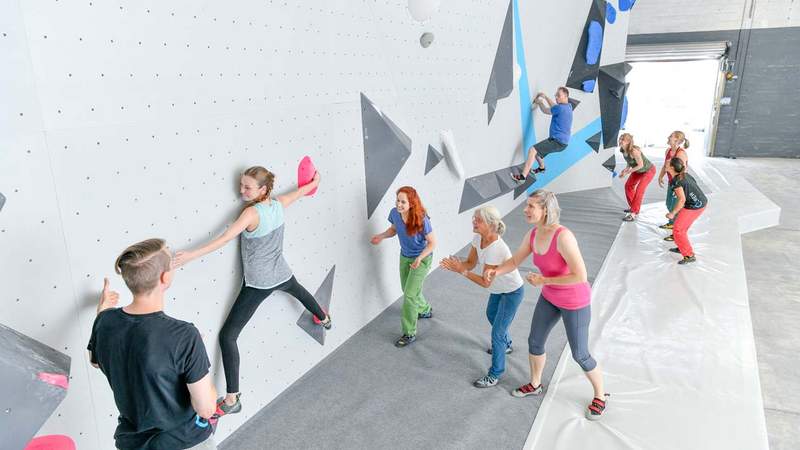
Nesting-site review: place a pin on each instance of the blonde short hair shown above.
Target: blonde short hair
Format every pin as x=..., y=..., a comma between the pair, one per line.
x=548, y=201
x=142, y=264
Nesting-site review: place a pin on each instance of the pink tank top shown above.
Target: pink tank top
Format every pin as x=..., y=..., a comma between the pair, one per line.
x=552, y=264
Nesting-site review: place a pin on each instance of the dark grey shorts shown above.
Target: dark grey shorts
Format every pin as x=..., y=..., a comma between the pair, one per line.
x=548, y=146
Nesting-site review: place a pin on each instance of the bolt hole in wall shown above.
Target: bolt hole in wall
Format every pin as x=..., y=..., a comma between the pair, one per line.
x=672, y=95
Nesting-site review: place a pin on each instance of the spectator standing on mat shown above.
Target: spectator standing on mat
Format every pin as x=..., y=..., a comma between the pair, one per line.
x=410, y=223
x=690, y=203
x=560, y=130
x=677, y=145
x=641, y=172
x=156, y=366
x=505, y=292
x=566, y=294
x=261, y=228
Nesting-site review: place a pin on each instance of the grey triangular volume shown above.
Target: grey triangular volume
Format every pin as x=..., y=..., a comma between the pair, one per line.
x=434, y=157
x=611, y=163
x=574, y=102
x=594, y=142
x=581, y=71
x=323, y=298
x=488, y=186
x=386, y=150
x=2, y=201
x=611, y=95
x=501, y=81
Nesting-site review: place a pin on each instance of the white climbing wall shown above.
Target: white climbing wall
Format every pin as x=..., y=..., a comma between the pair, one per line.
x=121, y=121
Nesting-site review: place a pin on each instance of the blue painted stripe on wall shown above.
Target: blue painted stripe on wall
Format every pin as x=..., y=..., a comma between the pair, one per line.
x=558, y=163
x=528, y=132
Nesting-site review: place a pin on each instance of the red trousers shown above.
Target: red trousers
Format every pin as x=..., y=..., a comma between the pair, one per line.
x=681, y=227
x=635, y=187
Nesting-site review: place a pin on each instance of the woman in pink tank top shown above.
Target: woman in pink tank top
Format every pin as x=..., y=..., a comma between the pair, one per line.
x=566, y=295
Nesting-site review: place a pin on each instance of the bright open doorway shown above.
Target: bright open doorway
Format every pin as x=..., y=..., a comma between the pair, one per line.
x=673, y=95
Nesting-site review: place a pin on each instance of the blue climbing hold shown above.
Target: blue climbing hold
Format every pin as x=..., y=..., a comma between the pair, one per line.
x=595, y=43
x=588, y=85
x=624, y=112
x=611, y=13
x=626, y=5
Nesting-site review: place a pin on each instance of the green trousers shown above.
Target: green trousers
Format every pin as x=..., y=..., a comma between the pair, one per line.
x=414, y=302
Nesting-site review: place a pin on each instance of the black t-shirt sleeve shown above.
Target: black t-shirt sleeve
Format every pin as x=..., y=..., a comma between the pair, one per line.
x=93, y=338
x=192, y=359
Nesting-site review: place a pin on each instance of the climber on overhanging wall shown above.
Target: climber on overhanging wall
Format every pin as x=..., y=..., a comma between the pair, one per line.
x=566, y=294
x=265, y=271
x=505, y=293
x=560, y=130
x=677, y=149
x=641, y=172
x=412, y=226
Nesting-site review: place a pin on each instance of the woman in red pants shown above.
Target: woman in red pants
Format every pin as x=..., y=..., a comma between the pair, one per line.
x=641, y=172
x=691, y=202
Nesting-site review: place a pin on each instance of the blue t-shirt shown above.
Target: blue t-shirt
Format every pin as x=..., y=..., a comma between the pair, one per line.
x=410, y=246
x=561, y=124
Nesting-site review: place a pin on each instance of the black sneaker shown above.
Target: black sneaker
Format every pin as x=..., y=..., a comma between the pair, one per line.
x=687, y=260
x=539, y=169
x=630, y=217
x=225, y=409
x=405, y=341
x=509, y=350
x=597, y=407
x=675, y=250
x=666, y=226
x=517, y=177
x=426, y=315
x=626, y=210
x=669, y=238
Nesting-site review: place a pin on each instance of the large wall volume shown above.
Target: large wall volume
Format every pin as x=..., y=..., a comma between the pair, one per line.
x=762, y=118
x=128, y=120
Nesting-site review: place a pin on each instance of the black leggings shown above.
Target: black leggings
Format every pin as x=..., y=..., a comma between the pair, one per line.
x=243, y=309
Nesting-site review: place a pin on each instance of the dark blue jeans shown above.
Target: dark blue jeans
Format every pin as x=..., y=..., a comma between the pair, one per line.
x=501, y=311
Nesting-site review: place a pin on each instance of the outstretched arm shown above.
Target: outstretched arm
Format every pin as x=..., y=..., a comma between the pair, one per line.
x=681, y=200
x=291, y=197
x=249, y=216
x=512, y=263
x=390, y=232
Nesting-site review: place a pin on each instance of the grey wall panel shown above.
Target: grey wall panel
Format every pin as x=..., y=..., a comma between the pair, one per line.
x=763, y=115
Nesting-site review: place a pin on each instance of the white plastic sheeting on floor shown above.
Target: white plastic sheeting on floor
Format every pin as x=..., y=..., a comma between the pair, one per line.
x=675, y=342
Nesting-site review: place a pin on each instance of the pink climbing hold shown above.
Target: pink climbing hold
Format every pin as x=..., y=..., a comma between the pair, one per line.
x=51, y=442
x=55, y=379
x=305, y=173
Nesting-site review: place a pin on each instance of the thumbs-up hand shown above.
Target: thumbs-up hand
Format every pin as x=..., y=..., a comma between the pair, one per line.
x=108, y=298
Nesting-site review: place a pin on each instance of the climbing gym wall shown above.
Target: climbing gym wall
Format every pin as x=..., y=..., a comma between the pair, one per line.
x=123, y=121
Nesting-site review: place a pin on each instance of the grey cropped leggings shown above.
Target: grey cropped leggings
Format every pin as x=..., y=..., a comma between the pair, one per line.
x=576, y=322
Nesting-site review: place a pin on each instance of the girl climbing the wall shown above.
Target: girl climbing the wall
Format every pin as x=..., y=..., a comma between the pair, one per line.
x=505, y=293
x=677, y=145
x=566, y=294
x=260, y=227
x=641, y=172
x=410, y=223
x=690, y=202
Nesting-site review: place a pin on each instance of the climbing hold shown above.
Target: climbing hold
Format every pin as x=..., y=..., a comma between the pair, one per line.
x=595, y=43
x=422, y=10
x=305, y=173
x=426, y=39
x=611, y=13
x=588, y=86
x=626, y=5
x=624, y=111
x=449, y=146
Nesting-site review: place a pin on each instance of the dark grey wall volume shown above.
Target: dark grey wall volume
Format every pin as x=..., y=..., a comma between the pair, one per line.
x=763, y=118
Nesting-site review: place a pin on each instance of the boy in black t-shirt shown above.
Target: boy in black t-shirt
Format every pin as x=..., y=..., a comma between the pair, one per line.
x=691, y=202
x=156, y=365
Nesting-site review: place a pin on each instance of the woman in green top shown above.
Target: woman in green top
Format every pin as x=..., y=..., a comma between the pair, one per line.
x=641, y=172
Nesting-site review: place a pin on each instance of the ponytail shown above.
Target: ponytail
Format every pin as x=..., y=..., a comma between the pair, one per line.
x=678, y=166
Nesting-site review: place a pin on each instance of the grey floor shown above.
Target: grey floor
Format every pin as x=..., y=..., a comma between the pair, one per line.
x=369, y=394
x=773, y=280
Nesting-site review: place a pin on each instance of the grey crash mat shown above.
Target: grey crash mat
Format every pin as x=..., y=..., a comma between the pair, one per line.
x=369, y=394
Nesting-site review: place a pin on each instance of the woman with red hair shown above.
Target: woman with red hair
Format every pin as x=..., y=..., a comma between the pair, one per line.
x=412, y=226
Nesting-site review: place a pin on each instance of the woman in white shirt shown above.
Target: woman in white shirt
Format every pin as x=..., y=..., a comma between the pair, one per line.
x=506, y=291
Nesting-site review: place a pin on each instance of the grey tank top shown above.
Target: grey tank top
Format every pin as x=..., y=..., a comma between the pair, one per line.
x=262, y=249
